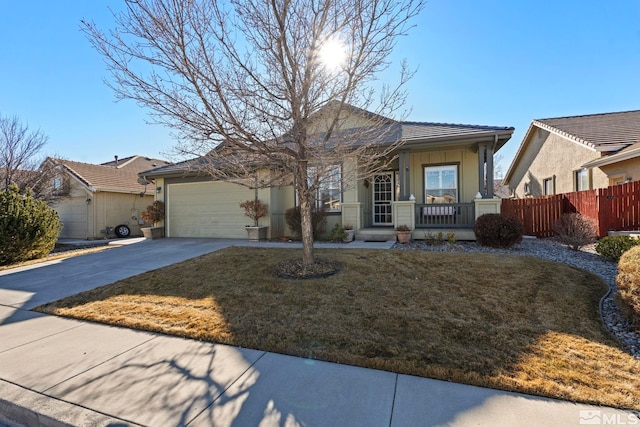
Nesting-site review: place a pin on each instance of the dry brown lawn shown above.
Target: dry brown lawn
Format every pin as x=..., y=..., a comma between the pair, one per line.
x=508, y=322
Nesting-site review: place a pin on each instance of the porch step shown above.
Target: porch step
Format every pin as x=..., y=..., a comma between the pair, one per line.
x=376, y=234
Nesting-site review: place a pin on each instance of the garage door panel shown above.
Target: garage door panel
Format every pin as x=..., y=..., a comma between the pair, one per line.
x=208, y=209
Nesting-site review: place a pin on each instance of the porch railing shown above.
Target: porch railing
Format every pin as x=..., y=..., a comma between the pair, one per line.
x=445, y=215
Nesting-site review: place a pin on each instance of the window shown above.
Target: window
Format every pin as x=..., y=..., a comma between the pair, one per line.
x=549, y=186
x=441, y=184
x=582, y=179
x=57, y=184
x=329, y=193
x=527, y=188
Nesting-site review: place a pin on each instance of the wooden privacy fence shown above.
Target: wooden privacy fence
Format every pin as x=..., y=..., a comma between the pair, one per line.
x=613, y=208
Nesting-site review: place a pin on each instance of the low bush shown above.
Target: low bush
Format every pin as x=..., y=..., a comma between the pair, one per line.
x=337, y=234
x=498, y=230
x=28, y=227
x=293, y=218
x=628, y=281
x=613, y=247
x=575, y=230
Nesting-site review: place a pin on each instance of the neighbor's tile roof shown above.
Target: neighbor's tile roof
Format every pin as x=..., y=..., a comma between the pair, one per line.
x=108, y=176
x=603, y=132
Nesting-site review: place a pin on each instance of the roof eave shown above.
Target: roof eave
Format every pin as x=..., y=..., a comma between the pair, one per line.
x=613, y=158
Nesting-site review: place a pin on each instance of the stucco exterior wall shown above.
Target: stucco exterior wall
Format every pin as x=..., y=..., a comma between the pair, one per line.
x=112, y=209
x=549, y=155
x=626, y=170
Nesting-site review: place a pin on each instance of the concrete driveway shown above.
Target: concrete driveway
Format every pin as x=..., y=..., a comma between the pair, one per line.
x=30, y=286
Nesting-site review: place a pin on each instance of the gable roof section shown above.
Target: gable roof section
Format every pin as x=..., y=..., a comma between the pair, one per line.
x=608, y=132
x=108, y=177
x=605, y=132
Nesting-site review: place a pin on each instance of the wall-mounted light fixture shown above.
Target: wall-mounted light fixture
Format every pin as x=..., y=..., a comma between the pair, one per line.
x=158, y=189
x=88, y=200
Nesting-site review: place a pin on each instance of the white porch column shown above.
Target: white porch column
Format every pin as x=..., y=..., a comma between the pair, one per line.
x=352, y=214
x=404, y=213
x=487, y=206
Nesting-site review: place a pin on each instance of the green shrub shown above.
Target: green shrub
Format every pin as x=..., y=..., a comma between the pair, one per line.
x=337, y=233
x=318, y=221
x=614, y=246
x=575, y=230
x=28, y=227
x=628, y=281
x=498, y=230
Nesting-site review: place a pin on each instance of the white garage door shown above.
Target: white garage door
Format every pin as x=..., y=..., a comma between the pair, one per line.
x=207, y=209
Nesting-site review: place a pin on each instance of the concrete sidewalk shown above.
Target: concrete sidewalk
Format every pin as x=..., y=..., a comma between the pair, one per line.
x=56, y=371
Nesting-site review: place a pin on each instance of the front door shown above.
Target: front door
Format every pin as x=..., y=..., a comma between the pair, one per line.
x=383, y=196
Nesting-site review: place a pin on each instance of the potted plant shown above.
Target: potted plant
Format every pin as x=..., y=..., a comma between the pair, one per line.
x=255, y=210
x=348, y=228
x=154, y=213
x=403, y=233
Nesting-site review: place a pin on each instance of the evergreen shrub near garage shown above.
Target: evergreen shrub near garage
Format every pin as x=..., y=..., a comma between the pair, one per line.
x=628, y=281
x=498, y=230
x=29, y=228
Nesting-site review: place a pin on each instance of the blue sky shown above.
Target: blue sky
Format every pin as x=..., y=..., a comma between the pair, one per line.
x=492, y=62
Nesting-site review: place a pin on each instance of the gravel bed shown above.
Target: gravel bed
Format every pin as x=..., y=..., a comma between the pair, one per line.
x=549, y=249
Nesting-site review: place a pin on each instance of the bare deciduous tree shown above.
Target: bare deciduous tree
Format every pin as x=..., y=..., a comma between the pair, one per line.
x=265, y=84
x=19, y=161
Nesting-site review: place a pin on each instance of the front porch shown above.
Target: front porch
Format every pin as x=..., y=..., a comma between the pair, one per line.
x=424, y=220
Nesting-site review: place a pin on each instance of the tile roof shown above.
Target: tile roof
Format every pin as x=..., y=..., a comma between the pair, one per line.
x=425, y=130
x=108, y=176
x=606, y=132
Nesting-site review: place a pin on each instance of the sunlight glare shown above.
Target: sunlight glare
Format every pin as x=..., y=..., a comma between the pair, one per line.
x=333, y=54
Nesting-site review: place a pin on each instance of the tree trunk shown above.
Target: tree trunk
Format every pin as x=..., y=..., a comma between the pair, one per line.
x=302, y=189
x=307, y=232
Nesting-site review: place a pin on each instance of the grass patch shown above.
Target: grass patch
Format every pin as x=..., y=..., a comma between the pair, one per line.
x=503, y=321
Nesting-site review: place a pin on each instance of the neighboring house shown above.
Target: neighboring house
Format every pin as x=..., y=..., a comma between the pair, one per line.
x=93, y=200
x=441, y=165
x=500, y=190
x=567, y=154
